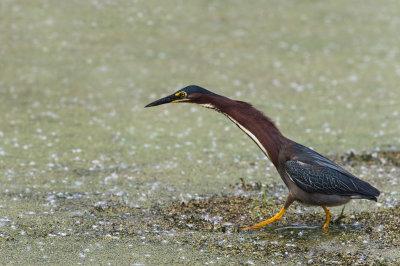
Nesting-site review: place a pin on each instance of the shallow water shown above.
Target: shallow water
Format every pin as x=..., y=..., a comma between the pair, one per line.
x=89, y=176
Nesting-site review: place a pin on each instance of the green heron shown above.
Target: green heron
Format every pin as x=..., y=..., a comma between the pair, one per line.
x=311, y=178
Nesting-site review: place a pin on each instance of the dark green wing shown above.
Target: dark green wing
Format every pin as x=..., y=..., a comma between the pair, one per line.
x=319, y=179
x=316, y=174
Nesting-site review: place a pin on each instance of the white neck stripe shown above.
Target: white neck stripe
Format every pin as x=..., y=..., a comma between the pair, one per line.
x=251, y=135
x=208, y=105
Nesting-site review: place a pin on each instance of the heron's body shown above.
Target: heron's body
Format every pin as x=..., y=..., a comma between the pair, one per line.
x=311, y=178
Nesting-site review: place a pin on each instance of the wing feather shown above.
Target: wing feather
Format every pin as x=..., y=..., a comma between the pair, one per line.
x=316, y=174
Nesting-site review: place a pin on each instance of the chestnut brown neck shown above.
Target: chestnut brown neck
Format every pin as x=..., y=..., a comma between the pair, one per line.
x=254, y=123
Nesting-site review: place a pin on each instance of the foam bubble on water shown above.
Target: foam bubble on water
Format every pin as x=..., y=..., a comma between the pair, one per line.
x=113, y=176
x=4, y=221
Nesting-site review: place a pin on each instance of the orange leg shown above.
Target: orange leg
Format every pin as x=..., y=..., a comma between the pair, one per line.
x=328, y=218
x=289, y=201
x=271, y=220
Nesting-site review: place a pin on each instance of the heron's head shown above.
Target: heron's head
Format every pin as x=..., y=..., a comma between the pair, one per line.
x=189, y=94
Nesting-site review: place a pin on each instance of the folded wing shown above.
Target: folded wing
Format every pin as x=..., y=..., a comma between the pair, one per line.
x=316, y=174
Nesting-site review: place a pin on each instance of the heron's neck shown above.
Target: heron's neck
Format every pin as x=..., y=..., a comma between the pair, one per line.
x=255, y=124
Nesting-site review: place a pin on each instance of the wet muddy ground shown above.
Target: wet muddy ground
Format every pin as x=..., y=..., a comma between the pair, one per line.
x=212, y=224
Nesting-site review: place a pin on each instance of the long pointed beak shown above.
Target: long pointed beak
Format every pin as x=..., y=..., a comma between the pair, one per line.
x=164, y=100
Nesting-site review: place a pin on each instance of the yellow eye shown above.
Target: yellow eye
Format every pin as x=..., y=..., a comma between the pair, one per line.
x=181, y=94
